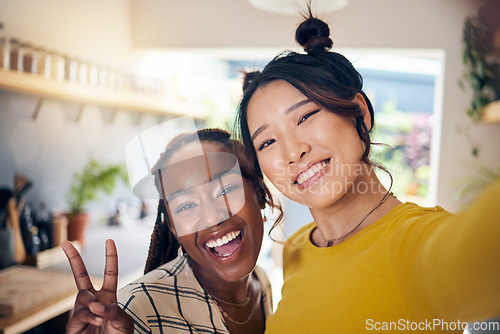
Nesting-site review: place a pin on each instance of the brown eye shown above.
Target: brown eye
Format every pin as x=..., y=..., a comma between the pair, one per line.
x=184, y=207
x=266, y=144
x=227, y=190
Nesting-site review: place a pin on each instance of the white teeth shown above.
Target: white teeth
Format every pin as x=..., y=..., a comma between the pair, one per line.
x=304, y=176
x=222, y=240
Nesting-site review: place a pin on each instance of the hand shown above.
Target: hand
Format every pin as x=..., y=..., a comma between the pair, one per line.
x=96, y=311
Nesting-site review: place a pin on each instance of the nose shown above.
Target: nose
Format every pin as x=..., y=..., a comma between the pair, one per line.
x=213, y=216
x=296, y=149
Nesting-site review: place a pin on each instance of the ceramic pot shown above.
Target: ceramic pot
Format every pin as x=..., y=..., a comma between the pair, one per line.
x=77, y=226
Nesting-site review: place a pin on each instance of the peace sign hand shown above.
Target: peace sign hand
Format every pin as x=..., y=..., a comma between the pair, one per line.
x=96, y=311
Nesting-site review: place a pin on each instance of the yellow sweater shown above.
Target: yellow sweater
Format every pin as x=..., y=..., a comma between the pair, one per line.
x=415, y=270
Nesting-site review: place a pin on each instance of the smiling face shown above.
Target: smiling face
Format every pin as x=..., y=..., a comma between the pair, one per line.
x=213, y=211
x=202, y=191
x=310, y=154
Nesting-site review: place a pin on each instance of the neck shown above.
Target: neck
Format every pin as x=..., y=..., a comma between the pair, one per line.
x=234, y=292
x=354, y=207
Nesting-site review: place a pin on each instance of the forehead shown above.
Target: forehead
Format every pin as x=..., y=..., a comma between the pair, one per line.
x=277, y=90
x=195, y=149
x=276, y=96
x=193, y=166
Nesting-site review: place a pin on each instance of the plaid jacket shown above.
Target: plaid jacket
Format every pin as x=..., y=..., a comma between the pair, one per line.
x=169, y=299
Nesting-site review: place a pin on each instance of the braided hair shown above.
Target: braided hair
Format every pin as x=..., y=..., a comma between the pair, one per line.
x=164, y=246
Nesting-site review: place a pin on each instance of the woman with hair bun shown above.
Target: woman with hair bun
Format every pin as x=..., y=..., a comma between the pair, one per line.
x=201, y=274
x=368, y=262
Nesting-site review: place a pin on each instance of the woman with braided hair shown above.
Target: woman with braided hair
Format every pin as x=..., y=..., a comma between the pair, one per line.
x=201, y=274
x=367, y=262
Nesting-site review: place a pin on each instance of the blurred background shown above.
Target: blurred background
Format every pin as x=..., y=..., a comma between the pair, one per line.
x=80, y=79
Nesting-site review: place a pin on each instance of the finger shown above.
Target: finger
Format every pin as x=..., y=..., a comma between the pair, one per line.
x=111, y=269
x=85, y=316
x=111, y=312
x=80, y=274
x=82, y=317
x=83, y=299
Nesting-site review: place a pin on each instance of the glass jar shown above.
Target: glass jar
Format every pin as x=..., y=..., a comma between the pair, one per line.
x=103, y=77
x=120, y=81
x=70, y=69
x=83, y=72
x=93, y=70
x=56, y=66
x=15, y=62
x=42, y=62
x=111, y=84
x=128, y=84
x=4, y=49
x=28, y=63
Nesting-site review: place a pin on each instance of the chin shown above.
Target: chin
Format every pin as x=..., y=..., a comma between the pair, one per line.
x=236, y=273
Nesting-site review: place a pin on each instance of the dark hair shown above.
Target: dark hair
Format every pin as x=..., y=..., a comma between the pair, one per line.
x=164, y=246
x=327, y=78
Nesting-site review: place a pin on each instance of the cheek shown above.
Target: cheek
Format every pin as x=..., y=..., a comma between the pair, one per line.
x=342, y=135
x=189, y=246
x=273, y=168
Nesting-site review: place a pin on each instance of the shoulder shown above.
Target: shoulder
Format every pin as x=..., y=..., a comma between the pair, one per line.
x=262, y=277
x=265, y=284
x=166, y=271
x=154, y=294
x=485, y=206
x=411, y=213
x=164, y=279
x=408, y=221
x=170, y=297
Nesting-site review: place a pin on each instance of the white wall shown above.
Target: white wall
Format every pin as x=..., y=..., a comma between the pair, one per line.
x=51, y=147
x=94, y=29
x=207, y=24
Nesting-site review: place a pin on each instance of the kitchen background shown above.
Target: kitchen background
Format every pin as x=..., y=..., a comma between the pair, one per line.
x=188, y=55
x=192, y=46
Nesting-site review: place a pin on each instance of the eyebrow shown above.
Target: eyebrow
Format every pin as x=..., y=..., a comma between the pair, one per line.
x=287, y=111
x=178, y=193
x=225, y=173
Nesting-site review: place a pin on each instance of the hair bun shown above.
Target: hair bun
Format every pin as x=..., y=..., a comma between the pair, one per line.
x=313, y=34
x=248, y=78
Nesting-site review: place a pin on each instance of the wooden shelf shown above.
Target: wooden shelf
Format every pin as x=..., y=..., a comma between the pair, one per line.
x=491, y=113
x=60, y=90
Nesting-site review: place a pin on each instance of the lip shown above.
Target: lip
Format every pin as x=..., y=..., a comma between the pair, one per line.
x=219, y=231
x=314, y=177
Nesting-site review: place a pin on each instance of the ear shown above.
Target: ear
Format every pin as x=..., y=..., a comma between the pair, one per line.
x=360, y=100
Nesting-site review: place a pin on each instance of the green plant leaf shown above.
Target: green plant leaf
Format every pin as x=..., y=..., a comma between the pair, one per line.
x=94, y=179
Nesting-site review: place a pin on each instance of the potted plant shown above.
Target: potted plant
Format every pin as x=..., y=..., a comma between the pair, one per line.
x=87, y=185
x=481, y=57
